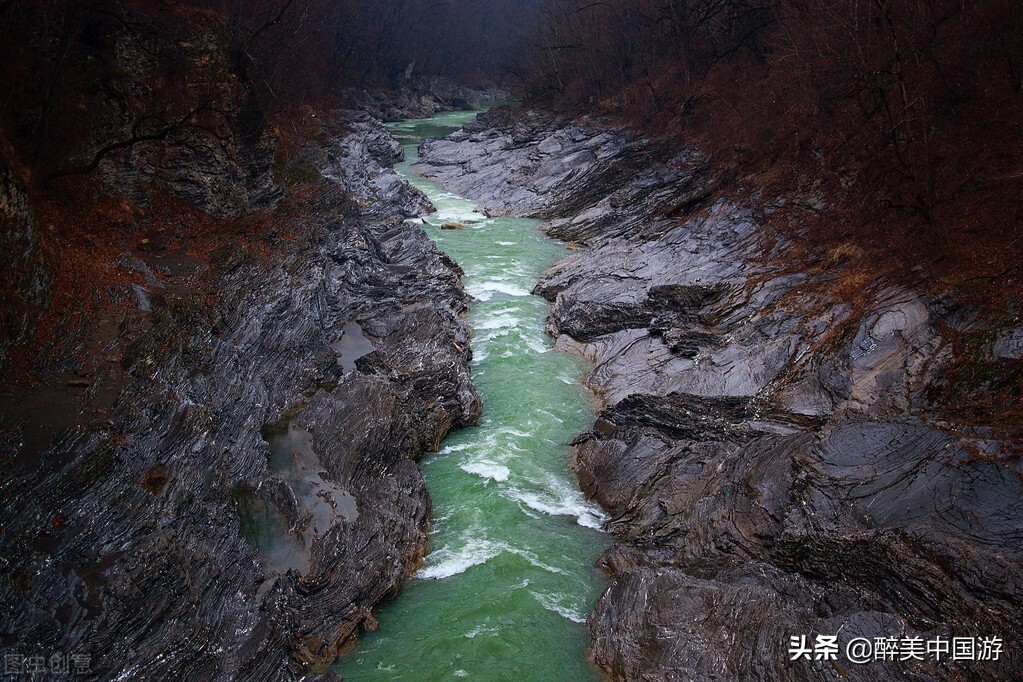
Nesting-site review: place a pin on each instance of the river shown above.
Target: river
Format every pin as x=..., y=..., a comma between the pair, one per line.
x=509, y=580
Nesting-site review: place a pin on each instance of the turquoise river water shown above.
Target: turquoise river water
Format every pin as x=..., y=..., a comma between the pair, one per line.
x=504, y=592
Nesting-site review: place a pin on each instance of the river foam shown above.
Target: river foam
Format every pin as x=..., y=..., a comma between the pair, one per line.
x=487, y=470
x=446, y=562
x=485, y=290
x=510, y=575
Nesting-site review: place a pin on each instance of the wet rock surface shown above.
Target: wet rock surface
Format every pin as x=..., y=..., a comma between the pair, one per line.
x=123, y=538
x=770, y=455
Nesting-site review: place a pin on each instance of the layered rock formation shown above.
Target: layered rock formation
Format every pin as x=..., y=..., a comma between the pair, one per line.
x=773, y=458
x=122, y=540
x=155, y=525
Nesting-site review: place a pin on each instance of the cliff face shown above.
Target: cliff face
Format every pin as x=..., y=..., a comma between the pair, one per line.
x=236, y=294
x=122, y=540
x=23, y=278
x=774, y=455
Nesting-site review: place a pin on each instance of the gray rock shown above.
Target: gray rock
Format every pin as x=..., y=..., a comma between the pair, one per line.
x=358, y=159
x=419, y=96
x=764, y=452
x=1009, y=345
x=125, y=540
x=141, y=296
x=497, y=161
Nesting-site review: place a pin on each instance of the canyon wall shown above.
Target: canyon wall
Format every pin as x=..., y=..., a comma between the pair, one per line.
x=189, y=280
x=772, y=450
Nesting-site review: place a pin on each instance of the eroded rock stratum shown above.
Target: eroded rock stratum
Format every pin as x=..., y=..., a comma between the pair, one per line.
x=773, y=458
x=239, y=288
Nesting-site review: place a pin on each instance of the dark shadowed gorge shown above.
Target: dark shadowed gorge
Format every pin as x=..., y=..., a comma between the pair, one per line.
x=783, y=238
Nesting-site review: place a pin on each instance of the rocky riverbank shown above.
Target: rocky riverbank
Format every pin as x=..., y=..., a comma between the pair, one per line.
x=419, y=96
x=777, y=456
x=141, y=504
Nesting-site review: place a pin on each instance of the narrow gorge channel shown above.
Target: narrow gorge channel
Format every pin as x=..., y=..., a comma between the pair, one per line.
x=509, y=580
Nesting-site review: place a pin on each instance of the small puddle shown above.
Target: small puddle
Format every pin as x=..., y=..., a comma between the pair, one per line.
x=352, y=345
x=285, y=540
